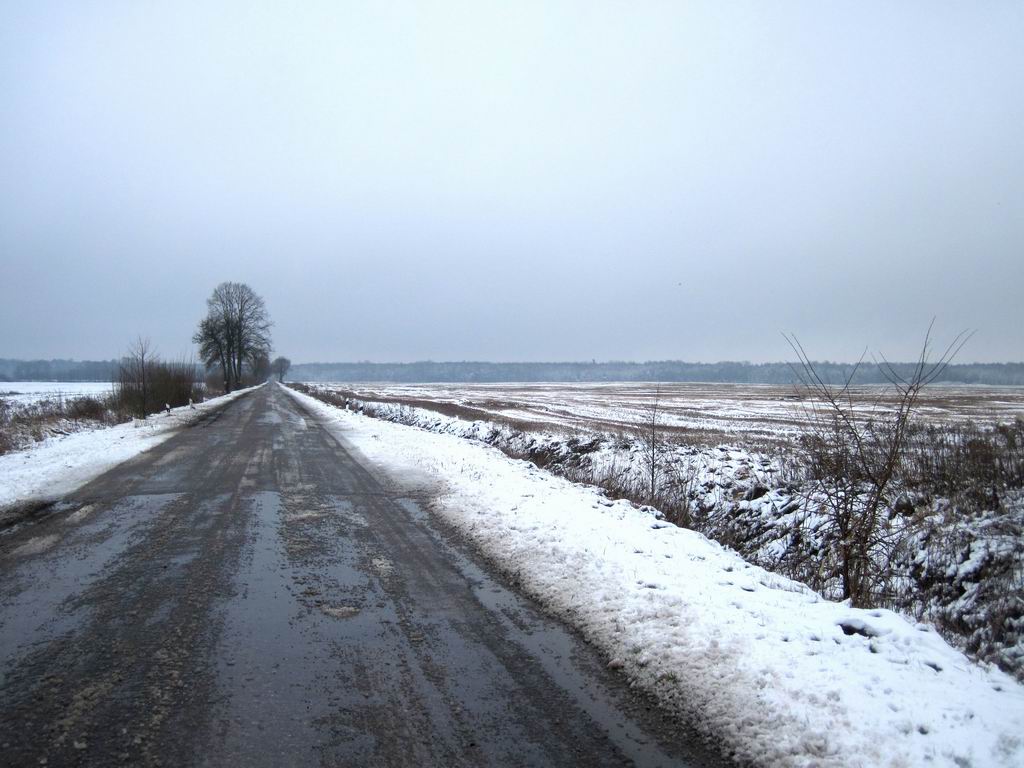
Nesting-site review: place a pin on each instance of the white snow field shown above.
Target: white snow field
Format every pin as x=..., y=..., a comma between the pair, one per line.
x=748, y=413
x=781, y=676
x=58, y=465
x=28, y=392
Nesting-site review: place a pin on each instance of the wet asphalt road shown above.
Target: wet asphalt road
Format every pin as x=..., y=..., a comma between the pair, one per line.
x=249, y=594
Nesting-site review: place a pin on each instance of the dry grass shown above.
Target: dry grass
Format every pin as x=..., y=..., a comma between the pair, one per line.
x=22, y=425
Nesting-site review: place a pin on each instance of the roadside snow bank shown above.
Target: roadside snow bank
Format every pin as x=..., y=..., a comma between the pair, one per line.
x=952, y=560
x=59, y=465
x=763, y=663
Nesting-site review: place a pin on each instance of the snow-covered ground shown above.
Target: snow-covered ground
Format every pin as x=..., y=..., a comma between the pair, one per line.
x=782, y=676
x=27, y=392
x=747, y=413
x=59, y=465
x=959, y=567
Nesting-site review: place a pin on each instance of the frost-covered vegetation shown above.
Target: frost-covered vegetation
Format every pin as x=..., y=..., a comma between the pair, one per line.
x=947, y=546
x=144, y=385
x=26, y=421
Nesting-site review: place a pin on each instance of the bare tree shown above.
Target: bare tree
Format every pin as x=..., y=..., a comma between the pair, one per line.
x=854, y=444
x=652, y=445
x=235, y=332
x=213, y=351
x=145, y=384
x=280, y=367
x=260, y=367
x=134, y=376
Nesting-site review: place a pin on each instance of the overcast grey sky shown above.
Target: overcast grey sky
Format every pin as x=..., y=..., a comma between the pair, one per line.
x=515, y=181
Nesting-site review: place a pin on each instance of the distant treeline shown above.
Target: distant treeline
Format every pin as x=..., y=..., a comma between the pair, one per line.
x=64, y=370
x=665, y=370
x=57, y=370
x=428, y=372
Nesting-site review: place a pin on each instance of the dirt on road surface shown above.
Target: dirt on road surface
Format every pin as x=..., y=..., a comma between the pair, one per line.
x=248, y=593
